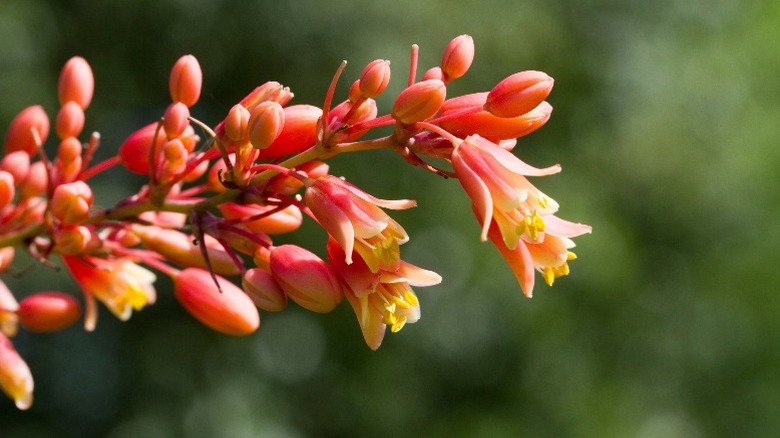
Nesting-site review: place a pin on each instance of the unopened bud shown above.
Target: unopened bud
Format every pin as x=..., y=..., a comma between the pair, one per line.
x=354, y=91
x=487, y=125
x=270, y=90
x=70, y=120
x=179, y=248
x=48, y=311
x=76, y=239
x=433, y=73
x=175, y=119
x=236, y=123
x=69, y=159
x=375, y=77
x=15, y=377
x=36, y=182
x=420, y=101
x=227, y=310
x=298, y=134
x=71, y=202
x=265, y=124
x=186, y=80
x=518, y=93
x=134, y=152
x=306, y=278
x=263, y=290
x=27, y=129
x=17, y=164
x=457, y=57
x=283, y=221
x=7, y=189
x=76, y=83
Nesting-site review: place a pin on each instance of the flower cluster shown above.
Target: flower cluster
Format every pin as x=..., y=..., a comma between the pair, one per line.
x=219, y=201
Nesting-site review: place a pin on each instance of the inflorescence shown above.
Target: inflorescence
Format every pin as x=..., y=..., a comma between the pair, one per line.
x=214, y=201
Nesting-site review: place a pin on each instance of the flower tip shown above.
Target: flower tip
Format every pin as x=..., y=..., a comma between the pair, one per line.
x=518, y=94
x=76, y=82
x=186, y=80
x=457, y=57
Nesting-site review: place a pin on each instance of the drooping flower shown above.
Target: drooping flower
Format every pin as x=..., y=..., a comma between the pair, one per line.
x=353, y=218
x=119, y=283
x=383, y=298
x=495, y=180
x=516, y=216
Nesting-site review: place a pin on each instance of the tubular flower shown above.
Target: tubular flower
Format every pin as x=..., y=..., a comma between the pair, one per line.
x=515, y=215
x=15, y=377
x=119, y=283
x=382, y=298
x=495, y=181
x=353, y=218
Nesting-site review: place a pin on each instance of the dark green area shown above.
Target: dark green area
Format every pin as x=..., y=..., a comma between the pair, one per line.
x=665, y=122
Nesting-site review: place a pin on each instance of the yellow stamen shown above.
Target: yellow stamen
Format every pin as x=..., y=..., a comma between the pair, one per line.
x=570, y=255
x=549, y=275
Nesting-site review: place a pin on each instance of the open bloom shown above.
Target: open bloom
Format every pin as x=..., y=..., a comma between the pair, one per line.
x=516, y=216
x=353, y=218
x=383, y=298
x=119, y=283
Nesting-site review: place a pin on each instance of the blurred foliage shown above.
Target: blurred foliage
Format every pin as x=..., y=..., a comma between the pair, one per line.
x=665, y=123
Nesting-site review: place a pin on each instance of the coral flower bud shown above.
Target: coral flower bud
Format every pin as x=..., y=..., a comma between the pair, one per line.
x=420, y=101
x=282, y=221
x=71, y=202
x=236, y=123
x=76, y=83
x=306, y=278
x=134, y=152
x=270, y=90
x=179, y=248
x=433, y=73
x=518, y=93
x=298, y=134
x=486, y=124
x=185, y=80
x=228, y=311
x=15, y=377
x=374, y=79
x=7, y=189
x=27, y=131
x=354, y=91
x=48, y=311
x=263, y=290
x=265, y=124
x=457, y=57
x=70, y=120
x=175, y=119
x=36, y=182
x=75, y=239
x=17, y=164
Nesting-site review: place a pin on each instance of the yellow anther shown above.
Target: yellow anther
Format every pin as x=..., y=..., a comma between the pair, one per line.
x=549, y=275
x=398, y=324
x=411, y=298
x=401, y=303
x=543, y=200
x=570, y=255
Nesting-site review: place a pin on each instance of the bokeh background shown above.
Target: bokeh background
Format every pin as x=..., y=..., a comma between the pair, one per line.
x=666, y=124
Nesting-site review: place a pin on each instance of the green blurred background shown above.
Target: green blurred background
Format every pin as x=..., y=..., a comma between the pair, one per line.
x=665, y=122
